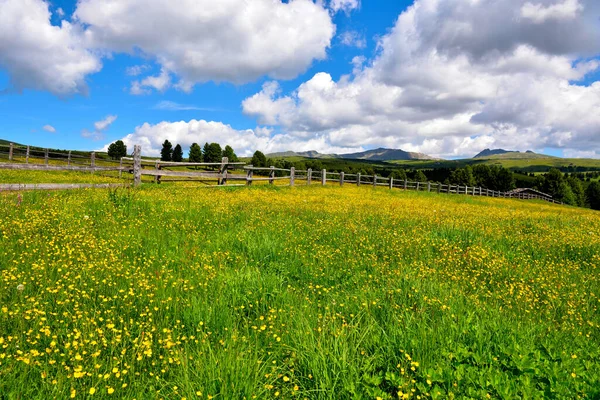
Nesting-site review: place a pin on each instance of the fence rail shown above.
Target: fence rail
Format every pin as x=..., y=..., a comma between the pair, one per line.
x=221, y=173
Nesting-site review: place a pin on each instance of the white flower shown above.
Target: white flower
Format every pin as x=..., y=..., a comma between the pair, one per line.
x=86, y=217
x=20, y=287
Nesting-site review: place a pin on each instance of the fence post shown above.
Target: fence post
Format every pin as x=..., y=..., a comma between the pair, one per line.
x=358, y=179
x=429, y=186
x=324, y=177
x=120, y=166
x=374, y=180
x=271, y=175
x=249, y=175
x=439, y=187
x=27, y=156
x=10, y=151
x=391, y=182
x=292, y=176
x=309, y=176
x=418, y=184
x=341, y=179
x=46, y=157
x=405, y=183
x=137, y=165
x=157, y=168
x=93, y=159
x=223, y=171
x=69, y=159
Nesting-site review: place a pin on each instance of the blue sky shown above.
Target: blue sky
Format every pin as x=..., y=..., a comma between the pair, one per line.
x=429, y=112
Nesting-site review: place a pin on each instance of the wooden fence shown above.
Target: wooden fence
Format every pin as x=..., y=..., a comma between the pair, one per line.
x=225, y=172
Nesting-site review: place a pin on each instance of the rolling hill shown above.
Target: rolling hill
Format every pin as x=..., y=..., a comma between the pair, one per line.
x=379, y=154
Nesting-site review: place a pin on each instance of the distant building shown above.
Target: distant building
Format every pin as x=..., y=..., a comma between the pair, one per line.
x=523, y=192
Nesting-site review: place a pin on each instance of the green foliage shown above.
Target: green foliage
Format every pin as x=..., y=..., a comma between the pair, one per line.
x=420, y=176
x=195, y=154
x=117, y=150
x=212, y=153
x=463, y=176
x=167, y=151
x=593, y=195
x=259, y=159
x=577, y=190
x=230, y=154
x=399, y=174
x=177, y=154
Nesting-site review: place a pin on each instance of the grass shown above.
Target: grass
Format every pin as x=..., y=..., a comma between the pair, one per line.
x=307, y=292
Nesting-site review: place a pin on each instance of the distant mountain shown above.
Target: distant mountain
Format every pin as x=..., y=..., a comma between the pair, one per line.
x=382, y=154
x=505, y=154
x=372, y=155
x=487, y=153
x=308, y=154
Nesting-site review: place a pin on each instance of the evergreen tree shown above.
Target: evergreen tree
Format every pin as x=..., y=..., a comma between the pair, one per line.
x=259, y=159
x=463, y=176
x=195, y=154
x=177, y=154
x=420, y=176
x=593, y=195
x=228, y=152
x=117, y=150
x=166, y=151
x=578, y=191
x=213, y=153
x=205, y=152
x=399, y=174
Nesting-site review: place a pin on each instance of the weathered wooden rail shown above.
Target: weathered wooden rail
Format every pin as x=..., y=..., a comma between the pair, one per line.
x=225, y=171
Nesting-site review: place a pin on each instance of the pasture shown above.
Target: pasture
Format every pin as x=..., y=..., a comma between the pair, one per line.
x=170, y=292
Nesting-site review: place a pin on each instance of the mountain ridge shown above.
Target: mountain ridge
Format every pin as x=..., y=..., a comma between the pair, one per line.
x=379, y=154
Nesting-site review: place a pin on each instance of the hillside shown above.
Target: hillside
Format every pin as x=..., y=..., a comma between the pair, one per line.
x=379, y=154
x=292, y=293
x=512, y=155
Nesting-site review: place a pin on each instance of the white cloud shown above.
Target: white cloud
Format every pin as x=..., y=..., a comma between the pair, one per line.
x=538, y=13
x=202, y=40
x=41, y=56
x=136, y=70
x=173, y=106
x=344, y=5
x=99, y=128
x=453, y=77
x=353, y=39
x=49, y=128
x=60, y=12
x=245, y=142
x=159, y=82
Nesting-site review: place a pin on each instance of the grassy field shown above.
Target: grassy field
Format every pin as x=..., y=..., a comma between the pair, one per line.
x=307, y=292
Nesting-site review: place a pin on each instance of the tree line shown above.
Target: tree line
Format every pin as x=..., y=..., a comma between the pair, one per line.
x=210, y=153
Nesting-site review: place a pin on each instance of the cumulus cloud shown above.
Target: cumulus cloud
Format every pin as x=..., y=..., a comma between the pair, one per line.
x=202, y=40
x=99, y=128
x=453, y=77
x=159, y=82
x=49, y=128
x=41, y=56
x=136, y=70
x=245, y=142
x=344, y=5
x=353, y=39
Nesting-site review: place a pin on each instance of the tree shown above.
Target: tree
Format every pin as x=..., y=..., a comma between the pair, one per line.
x=463, y=176
x=578, y=191
x=212, y=153
x=228, y=152
x=592, y=195
x=259, y=159
x=166, y=151
x=117, y=150
x=195, y=154
x=205, y=152
x=420, y=176
x=177, y=155
x=399, y=174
